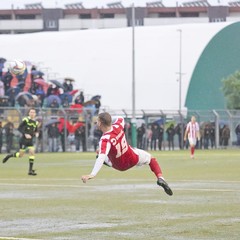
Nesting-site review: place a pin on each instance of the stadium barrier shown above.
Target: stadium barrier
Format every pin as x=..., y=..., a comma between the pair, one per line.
x=68, y=119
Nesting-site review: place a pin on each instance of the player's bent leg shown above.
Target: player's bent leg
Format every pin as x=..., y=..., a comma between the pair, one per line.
x=155, y=167
x=15, y=155
x=161, y=182
x=146, y=158
x=5, y=159
x=158, y=172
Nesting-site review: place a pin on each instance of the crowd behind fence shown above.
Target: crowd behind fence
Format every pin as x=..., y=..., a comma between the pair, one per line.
x=70, y=130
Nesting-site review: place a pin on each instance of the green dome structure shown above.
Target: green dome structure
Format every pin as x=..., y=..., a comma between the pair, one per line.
x=219, y=59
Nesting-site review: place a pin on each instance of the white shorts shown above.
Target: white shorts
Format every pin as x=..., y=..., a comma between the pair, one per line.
x=144, y=157
x=192, y=141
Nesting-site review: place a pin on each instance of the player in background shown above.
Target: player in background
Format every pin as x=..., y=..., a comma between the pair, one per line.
x=115, y=152
x=192, y=133
x=29, y=130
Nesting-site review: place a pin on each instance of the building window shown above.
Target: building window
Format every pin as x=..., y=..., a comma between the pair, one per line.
x=51, y=24
x=107, y=15
x=190, y=14
x=85, y=16
x=26, y=16
x=167, y=15
x=217, y=20
x=5, y=16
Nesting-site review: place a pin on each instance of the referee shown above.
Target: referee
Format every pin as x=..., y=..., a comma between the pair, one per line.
x=29, y=130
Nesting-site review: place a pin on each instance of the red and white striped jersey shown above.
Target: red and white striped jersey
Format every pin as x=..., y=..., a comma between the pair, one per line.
x=114, y=144
x=192, y=130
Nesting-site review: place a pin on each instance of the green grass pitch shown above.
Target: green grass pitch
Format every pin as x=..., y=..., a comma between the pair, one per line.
x=122, y=205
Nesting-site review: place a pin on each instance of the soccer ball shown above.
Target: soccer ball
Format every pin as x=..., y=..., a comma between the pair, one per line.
x=17, y=67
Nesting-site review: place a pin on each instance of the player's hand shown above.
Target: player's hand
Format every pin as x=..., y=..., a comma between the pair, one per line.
x=86, y=177
x=28, y=136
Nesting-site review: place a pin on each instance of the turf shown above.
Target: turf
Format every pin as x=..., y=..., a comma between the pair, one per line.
x=122, y=205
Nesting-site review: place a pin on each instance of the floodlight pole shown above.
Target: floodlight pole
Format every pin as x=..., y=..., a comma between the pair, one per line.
x=133, y=121
x=180, y=70
x=180, y=84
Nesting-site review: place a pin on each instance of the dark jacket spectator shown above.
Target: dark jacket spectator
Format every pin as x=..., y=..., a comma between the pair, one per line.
x=9, y=127
x=225, y=135
x=170, y=136
x=68, y=87
x=237, y=131
x=53, y=134
x=140, y=133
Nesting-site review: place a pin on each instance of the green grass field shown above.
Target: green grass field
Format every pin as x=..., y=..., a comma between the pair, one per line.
x=122, y=205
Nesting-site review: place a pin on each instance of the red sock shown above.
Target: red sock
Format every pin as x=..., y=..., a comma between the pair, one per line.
x=192, y=150
x=155, y=167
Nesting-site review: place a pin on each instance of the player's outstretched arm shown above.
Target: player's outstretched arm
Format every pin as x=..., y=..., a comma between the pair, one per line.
x=85, y=178
x=97, y=166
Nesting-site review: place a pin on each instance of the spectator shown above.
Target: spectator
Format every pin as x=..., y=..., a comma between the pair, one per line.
x=206, y=136
x=140, y=133
x=83, y=138
x=78, y=136
x=81, y=97
x=68, y=87
x=128, y=131
x=7, y=78
x=97, y=104
x=225, y=135
x=148, y=137
x=221, y=127
x=50, y=90
x=97, y=133
x=11, y=99
x=212, y=136
x=160, y=137
x=170, y=136
x=237, y=131
x=65, y=102
x=53, y=90
x=178, y=131
x=155, y=136
x=201, y=133
x=62, y=138
x=54, y=105
x=53, y=134
x=9, y=127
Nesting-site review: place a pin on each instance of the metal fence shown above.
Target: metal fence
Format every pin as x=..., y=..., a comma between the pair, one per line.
x=70, y=117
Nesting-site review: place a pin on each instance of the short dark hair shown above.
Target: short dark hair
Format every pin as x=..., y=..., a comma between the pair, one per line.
x=105, y=118
x=31, y=109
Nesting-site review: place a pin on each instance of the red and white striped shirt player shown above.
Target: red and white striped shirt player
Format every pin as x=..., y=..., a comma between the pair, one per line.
x=192, y=133
x=115, y=151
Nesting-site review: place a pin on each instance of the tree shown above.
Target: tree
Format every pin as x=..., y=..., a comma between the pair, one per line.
x=231, y=90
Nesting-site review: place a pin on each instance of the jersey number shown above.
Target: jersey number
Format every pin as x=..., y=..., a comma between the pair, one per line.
x=121, y=147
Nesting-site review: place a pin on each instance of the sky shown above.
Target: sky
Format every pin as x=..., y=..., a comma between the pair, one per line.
x=100, y=61
x=6, y=4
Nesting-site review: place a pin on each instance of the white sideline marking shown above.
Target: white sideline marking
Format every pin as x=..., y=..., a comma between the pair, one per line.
x=81, y=185
x=16, y=238
x=115, y=179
